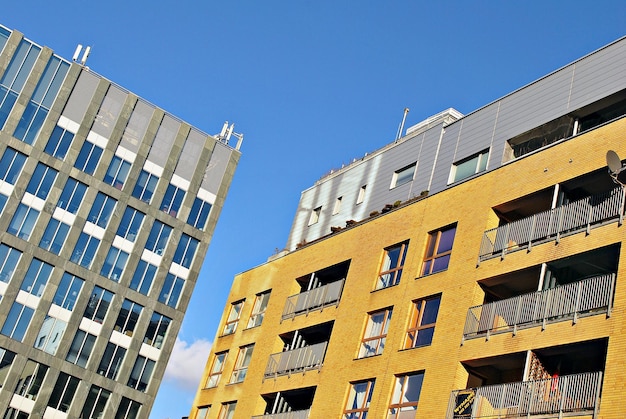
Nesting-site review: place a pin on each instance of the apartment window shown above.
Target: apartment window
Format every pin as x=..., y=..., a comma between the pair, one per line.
x=111, y=361
x=36, y=277
x=185, y=251
x=6, y=361
x=145, y=186
x=199, y=213
x=337, y=206
x=68, y=291
x=391, y=268
x=85, y=250
x=438, y=250
x=203, y=412
x=50, y=334
x=217, y=367
x=59, y=142
x=96, y=402
x=128, y=317
x=315, y=215
x=228, y=410
x=159, y=235
x=241, y=366
x=23, y=221
x=3, y=201
x=13, y=413
x=359, y=399
x=141, y=373
x=117, y=172
x=361, y=196
x=402, y=176
x=72, y=195
x=9, y=257
x=423, y=319
x=98, y=304
x=30, y=380
x=143, y=277
x=11, y=165
x=17, y=321
x=81, y=348
x=54, y=236
x=42, y=180
x=157, y=330
x=130, y=224
x=172, y=200
x=373, y=342
x=170, y=292
x=128, y=409
x=470, y=166
x=406, y=395
x=233, y=317
x=101, y=210
x=258, y=311
x=88, y=158
x=114, y=264
x=63, y=392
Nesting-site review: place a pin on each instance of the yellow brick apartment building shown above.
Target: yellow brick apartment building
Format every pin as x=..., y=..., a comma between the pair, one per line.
x=484, y=279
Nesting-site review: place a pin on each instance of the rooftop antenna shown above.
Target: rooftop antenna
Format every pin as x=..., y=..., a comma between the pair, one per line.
x=77, y=52
x=228, y=131
x=615, y=166
x=401, y=127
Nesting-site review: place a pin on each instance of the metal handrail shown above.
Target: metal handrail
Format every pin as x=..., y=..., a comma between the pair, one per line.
x=552, y=224
x=315, y=299
x=296, y=360
x=555, y=304
x=297, y=414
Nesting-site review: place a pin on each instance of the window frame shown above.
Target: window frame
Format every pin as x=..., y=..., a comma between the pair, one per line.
x=401, y=176
x=315, y=215
x=359, y=411
x=378, y=339
x=230, y=325
x=217, y=369
x=434, y=253
x=259, y=308
x=418, y=310
x=397, y=405
x=387, y=268
x=240, y=370
x=482, y=159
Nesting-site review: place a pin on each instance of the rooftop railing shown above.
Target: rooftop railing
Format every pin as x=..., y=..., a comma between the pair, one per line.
x=591, y=295
x=552, y=224
x=571, y=395
x=296, y=360
x=315, y=299
x=296, y=414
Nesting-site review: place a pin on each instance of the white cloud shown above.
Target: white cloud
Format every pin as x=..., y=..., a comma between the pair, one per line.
x=186, y=363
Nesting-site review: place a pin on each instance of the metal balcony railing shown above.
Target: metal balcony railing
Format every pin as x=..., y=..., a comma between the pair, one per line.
x=296, y=360
x=591, y=295
x=552, y=224
x=297, y=414
x=573, y=395
x=315, y=299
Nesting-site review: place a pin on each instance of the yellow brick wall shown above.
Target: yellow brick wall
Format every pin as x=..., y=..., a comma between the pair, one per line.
x=470, y=206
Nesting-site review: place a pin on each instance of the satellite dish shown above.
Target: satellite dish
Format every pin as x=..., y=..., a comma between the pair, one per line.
x=614, y=162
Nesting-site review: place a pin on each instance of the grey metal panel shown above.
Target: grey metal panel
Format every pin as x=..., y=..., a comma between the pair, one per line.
x=163, y=141
x=190, y=155
x=109, y=111
x=476, y=134
x=216, y=168
x=81, y=96
x=137, y=125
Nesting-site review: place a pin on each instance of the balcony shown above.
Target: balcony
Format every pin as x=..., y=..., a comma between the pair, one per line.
x=569, y=301
x=551, y=225
x=296, y=360
x=298, y=414
x=315, y=299
x=567, y=395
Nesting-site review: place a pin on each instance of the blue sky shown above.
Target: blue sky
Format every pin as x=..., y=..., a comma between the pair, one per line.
x=312, y=85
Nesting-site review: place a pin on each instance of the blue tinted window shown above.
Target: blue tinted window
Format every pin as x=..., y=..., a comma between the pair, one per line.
x=157, y=329
x=68, y=291
x=157, y=240
x=23, y=221
x=143, y=277
x=114, y=264
x=59, y=142
x=85, y=250
x=72, y=195
x=117, y=173
x=98, y=305
x=172, y=200
x=9, y=257
x=17, y=321
x=11, y=165
x=4, y=35
x=199, y=213
x=101, y=210
x=36, y=277
x=54, y=236
x=81, y=348
x=185, y=251
x=3, y=201
x=172, y=287
x=88, y=158
x=42, y=180
x=146, y=184
x=130, y=224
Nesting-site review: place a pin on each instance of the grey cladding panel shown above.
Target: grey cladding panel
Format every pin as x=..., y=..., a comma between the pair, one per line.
x=190, y=155
x=81, y=96
x=163, y=141
x=109, y=111
x=137, y=125
x=217, y=167
x=476, y=132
